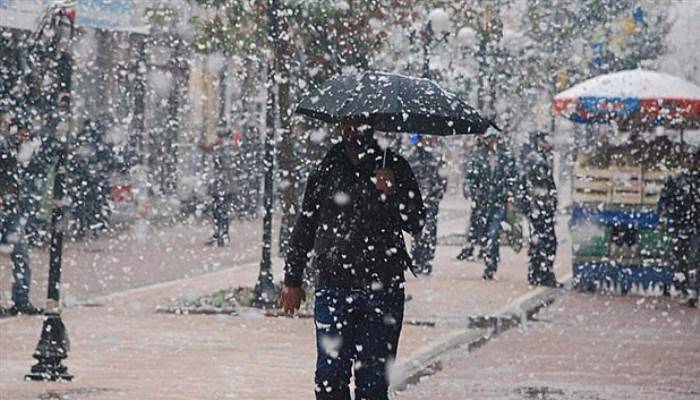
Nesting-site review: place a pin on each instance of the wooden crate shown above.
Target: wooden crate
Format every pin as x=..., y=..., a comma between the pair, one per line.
x=591, y=185
x=653, y=184
x=626, y=185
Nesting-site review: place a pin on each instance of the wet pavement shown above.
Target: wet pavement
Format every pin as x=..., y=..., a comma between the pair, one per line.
x=122, y=349
x=584, y=347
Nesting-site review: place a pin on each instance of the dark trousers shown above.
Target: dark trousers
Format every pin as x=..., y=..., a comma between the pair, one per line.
x=361, y=326
x=543, y=246
x=496, y=216
x=476, y=232
x=424, y=249
x=221, y=211
x=12, y=235
x=680, y=244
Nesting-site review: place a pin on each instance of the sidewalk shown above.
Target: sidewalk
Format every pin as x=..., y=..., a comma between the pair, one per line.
x=582, y=347
x=142, y=254
x=122, y=349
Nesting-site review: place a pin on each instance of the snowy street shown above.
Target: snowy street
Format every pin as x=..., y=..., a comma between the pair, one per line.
x=349, y=199
x=121, y=347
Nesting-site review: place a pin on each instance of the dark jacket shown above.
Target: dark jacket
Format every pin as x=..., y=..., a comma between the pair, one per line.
x=679, y=204
x=224, y=179
x=23, y=173
x=427, y=166
x=540, y=187
x=354, y=230
x=492, y=187
x=9, y=178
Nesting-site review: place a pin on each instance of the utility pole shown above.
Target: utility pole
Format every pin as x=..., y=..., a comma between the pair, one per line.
x=53, y=344
x=264, y=288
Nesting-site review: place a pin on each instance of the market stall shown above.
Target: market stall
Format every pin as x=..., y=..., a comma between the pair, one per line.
x=618, y=241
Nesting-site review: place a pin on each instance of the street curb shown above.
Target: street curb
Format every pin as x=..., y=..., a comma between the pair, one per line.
x=479, y=331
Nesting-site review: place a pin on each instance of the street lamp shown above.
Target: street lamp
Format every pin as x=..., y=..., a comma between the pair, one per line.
x=466, y=36
x=52, y=347
x=434, y=31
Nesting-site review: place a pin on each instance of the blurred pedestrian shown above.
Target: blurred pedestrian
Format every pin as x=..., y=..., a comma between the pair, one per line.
x=496, y=179
x=679, y=211
x=221, y=184
x=16, y=152
x=356, y=204
x=429, y=168
x=473, y=190
x=541, y=205
x=90, y=169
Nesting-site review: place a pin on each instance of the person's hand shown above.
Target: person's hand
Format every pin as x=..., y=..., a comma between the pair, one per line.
x=290, y=298
x=384, y=180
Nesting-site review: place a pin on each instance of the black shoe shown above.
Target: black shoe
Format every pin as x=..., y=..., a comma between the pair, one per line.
x=487, y=275
x=222, y=242
x=465, y=254
x=211, y=241
x=26, y=309
x=549, y=281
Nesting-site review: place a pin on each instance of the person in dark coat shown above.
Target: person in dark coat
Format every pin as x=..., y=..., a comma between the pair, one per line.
x=356, y=205
x=429, y=169
x=473, y=191
x=90, y=167
x=679, y=210
x=541, y=204
x=496, y=180
x=221, y=185
x=16, y=153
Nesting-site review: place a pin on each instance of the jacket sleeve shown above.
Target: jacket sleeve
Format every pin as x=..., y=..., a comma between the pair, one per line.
x=304, y=233
x=664, y=203
x=515, y=182
x=408, y=201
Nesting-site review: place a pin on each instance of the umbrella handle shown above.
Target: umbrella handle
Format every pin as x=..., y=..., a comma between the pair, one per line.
x=384, y=160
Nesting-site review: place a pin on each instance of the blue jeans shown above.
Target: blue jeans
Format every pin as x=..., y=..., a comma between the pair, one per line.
x=361, y=326
x=12, y=234
x=493, y=238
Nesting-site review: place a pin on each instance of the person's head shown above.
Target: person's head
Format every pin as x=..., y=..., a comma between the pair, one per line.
x=491, y=139
x=223, y=133
x=356, y=135
x=539, y=141
x=63, y=104
x=19, y=132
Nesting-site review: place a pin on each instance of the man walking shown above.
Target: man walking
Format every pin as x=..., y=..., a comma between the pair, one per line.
x=679, y=210
x=542, y=205
x=15, y=154
x=356, y=204
x=221, y=185
x=473, y=190
x=497, y=177
x=429, y=170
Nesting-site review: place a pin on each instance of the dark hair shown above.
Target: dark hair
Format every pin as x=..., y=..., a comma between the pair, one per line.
x=222, y=132
x=20, y=123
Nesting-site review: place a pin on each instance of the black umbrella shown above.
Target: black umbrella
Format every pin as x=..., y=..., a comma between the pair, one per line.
x=393, y=103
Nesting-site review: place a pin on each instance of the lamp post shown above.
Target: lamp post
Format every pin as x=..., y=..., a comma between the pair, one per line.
x=434, y=31
x=53, y=346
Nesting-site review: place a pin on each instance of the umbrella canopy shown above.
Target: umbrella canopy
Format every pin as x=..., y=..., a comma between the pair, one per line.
x=632, y=97
x=393, y=103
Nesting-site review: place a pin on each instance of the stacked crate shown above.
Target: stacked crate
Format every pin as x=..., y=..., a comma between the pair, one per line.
x=616, y=237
